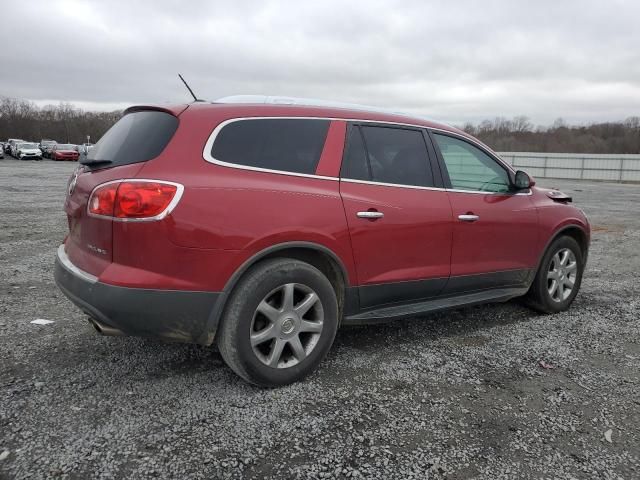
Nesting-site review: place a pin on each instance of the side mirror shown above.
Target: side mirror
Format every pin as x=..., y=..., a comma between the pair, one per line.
x=523, y=180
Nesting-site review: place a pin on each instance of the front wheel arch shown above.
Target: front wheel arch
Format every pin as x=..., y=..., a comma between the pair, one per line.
x=574, y=231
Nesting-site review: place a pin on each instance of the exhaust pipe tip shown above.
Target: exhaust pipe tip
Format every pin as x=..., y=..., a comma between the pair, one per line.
x=105, y=330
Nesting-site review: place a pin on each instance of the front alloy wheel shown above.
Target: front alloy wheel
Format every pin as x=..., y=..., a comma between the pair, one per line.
x=561, y=277
x=558, y=278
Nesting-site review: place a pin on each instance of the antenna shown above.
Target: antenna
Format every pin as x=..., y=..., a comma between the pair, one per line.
x=195, y=99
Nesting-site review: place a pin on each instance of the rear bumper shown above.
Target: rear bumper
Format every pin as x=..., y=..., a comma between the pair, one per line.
x=176, y=315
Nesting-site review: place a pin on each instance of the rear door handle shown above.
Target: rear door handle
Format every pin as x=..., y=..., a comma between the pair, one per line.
x=468, y=217
x=371, y=215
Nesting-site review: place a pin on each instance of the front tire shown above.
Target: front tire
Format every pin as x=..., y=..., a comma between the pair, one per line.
x=279, y=324
x=558, y=278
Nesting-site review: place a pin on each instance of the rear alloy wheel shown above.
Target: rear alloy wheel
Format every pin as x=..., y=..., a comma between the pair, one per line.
x=287, y=325
x=279, y=323
x=559, y=277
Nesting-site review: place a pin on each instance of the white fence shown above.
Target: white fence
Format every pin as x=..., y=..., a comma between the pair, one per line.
x=616, y=168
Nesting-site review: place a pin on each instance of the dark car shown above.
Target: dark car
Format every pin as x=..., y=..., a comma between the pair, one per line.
x=46, y=146
x=264, y=228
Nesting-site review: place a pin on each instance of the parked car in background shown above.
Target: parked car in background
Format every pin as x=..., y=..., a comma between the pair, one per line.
x=14, y=147
x=1, y=150
x=46, y=143
x=64, y=151
x=264, y=228
x=10, y=145
x=83, y=149
x=28, y=151
x=46, y=153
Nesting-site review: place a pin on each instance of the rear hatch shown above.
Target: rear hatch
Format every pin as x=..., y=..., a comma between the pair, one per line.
x=138, y=137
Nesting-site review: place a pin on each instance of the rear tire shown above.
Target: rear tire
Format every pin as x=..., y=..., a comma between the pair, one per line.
x=559, y=277
x=279, y=323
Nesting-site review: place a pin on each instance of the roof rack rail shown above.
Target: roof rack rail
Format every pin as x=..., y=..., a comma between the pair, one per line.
x=309, y=102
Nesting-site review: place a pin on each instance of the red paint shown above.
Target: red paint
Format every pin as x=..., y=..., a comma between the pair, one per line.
x=64, y=155
x=506, y=236
x=411, y=242
x=227, y=215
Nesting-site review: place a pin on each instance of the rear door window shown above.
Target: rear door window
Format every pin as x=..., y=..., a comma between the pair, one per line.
x=136, y=137
x=288, y=145
x=387, y=155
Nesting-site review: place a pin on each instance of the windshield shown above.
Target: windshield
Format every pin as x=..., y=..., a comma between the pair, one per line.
x=65, y=146
x=28, y=145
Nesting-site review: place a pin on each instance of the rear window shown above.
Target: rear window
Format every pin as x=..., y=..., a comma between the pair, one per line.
x=136, y=137
x=290, y=145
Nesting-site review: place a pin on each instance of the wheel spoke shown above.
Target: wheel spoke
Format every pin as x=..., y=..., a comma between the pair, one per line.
x=263, y=335
x=312, y=327
x=280, y=336
x=298, y=349
x=569, y=283
x=554, y=288
x=305, y=305
x=572, y=267
x=268, y=311
x=552, y=275
x=276, y=353
x=287, y=297
x=564, y=257
x=556, y=261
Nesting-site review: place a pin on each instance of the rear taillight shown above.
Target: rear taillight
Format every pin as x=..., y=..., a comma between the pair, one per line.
x=134, y=199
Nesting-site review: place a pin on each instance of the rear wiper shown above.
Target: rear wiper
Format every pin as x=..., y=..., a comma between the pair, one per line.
x=95, y=162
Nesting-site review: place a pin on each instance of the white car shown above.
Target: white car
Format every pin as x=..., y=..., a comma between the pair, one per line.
x=28, y=151
x=11, y=145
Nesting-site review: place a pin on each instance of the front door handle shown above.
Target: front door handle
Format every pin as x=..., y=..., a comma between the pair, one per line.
x=468, y=217
x=371, y=214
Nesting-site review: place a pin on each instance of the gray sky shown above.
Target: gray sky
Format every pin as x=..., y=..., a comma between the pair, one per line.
x=453, y=60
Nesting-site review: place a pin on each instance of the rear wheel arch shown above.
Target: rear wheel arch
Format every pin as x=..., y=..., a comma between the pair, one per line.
x=314, y=254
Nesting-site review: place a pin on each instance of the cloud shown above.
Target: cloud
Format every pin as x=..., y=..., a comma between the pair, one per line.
x=452, y=61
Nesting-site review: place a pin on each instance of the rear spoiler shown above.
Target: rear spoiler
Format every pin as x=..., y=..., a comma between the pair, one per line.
x=174, y=110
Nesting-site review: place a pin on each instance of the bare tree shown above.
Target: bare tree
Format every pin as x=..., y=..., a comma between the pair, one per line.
x=63, y=122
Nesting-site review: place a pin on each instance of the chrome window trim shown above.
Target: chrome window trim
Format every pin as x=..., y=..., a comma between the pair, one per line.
x=438, y=189
x=160, y=216
x=66, y=263
x=206, y=153
x=396, y=185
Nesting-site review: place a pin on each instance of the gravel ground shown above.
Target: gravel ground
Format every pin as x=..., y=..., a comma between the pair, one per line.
x=455, y=395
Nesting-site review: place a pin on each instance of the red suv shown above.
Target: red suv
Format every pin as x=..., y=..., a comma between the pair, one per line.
x=266, y=227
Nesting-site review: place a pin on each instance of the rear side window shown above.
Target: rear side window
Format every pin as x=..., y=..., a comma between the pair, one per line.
x=387, y=155
x=136, y=137
x=289, y=145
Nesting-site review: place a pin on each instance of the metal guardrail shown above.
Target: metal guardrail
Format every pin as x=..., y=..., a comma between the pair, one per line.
x=577, y=166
